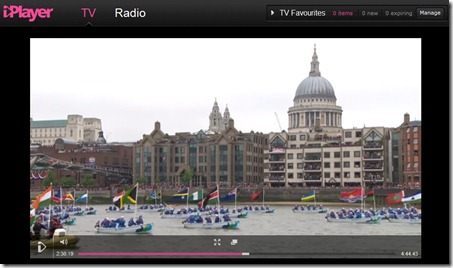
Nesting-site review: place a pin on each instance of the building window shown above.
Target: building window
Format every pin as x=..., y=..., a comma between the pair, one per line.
x=293, y=146
x=326, y=154
x=302, y=137
x=346, y=175
x=300, y=156
x=290, y=156
x=176, y=159
x=337, y=165
x=300, y=165
x=357, y=175
x=326, y=175
x=337, y=175
x=358, y=134
x=346, y=154
x=408, y=166
x=336, y=154
x=290, y=175
x=415, y=129
x=326, y=164
x=290, y=165
x=415, y=141
x=357, y=164
x=408, y=141
x=292, y=137
x=346, y=164
x=348, y=134
x=356, y=153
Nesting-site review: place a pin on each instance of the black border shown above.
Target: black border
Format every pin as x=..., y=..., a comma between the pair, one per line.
x=435, y=113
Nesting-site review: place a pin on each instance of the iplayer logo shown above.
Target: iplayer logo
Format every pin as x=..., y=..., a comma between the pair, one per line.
x=13, y=11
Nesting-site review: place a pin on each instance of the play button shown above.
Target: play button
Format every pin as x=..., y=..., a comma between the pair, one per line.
x=272, y=12
x=41, y=246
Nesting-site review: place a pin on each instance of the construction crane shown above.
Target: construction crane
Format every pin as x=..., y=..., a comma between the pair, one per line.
x=278, y=121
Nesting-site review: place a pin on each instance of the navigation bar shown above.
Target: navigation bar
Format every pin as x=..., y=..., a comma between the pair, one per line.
x=202, y=13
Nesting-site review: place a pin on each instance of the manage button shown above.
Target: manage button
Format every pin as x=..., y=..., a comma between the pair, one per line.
x=430, y=13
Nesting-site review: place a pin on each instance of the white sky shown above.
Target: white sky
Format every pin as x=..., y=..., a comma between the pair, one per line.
x=131, y=83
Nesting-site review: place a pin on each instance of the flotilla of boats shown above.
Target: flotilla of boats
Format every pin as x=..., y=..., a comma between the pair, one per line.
x=203, y=217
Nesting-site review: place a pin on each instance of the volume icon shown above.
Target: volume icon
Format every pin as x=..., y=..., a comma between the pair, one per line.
x=64, y=242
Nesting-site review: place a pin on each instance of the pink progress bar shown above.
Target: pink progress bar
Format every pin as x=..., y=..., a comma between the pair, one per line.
x=144, y=254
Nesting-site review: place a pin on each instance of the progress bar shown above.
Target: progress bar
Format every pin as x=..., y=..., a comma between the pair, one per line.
x=147, y=254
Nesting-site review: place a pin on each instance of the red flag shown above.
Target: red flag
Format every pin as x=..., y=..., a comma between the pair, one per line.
x=255, y=195
x=201, y=203
x=351, y=194
x=395, y=198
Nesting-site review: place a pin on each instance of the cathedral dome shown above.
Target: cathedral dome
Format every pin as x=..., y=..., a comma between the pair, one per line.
x=315, y=86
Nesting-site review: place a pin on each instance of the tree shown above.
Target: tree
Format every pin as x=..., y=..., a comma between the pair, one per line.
x=67, y=181
x=187, y=176
x=141, y=180
x=88, y=181
x=49, y=179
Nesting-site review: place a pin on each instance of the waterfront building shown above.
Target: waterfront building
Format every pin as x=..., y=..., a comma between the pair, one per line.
x=227, y=157
x=108, y=163
x=411, y=151
x=316, y=150
x=75, y=128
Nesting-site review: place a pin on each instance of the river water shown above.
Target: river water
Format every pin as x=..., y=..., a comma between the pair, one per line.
x=283, y=222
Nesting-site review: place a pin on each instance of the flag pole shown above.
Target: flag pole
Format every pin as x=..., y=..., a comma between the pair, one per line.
x=314, y=193
x=136, y=200
x=235, y=198
x=363, y=201
x=61, y=200
x=374, y=202
x=50, y=209
x=86, y=201
x=218, y=196
x=187, y=199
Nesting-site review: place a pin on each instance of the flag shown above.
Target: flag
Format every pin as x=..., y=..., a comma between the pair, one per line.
x=214, y=194
x=32, y=216
x=255, y=195
x=416, y=198
x=181, y=195
x=56, y=197
x=43, y=199
x=369, y=195
x=118, y=196
x=395, y=198
x=69, y=196
x=352, y=196
x=230, y=196
x=129, y=197
x=203, y=203
x=154, y=196
x=308, y=197
x=82, y=199
x=198, y=195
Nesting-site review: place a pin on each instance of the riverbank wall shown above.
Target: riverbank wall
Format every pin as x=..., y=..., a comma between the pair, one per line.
x=288, y=196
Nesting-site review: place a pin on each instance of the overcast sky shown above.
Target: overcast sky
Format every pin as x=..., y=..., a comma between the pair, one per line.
x=131, y=83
